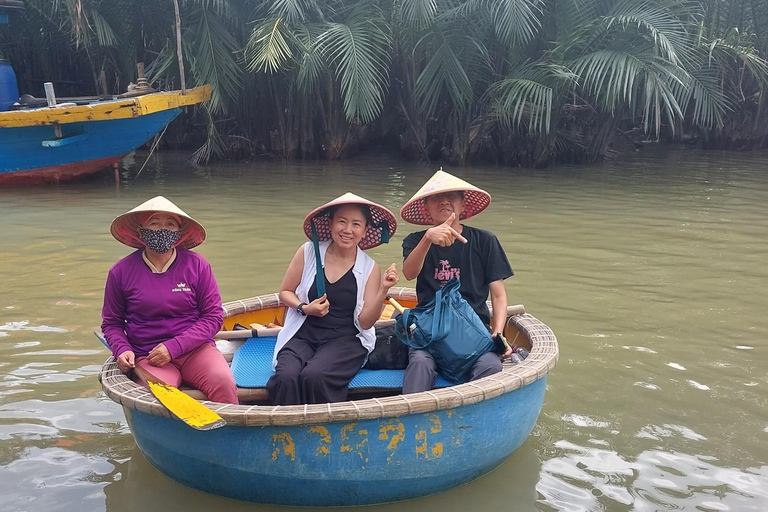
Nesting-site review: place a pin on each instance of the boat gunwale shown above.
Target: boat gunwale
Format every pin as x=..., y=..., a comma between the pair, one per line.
x=120, y=108
x=543, y=357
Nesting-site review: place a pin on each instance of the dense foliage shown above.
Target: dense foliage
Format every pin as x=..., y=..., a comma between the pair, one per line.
x=520, y=82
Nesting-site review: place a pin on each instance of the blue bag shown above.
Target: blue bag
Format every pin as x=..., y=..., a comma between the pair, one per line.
x=449, y=329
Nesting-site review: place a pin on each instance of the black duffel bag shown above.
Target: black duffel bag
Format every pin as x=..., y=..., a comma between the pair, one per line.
x=389, y=353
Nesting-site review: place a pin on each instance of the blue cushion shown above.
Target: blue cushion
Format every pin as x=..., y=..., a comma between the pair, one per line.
x=252, y=368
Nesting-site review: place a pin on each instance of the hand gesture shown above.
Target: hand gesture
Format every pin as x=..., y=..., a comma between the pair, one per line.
x=318, y=307
x=444, y=234
x=390, y=277
x=126, y=361
x=159, y=356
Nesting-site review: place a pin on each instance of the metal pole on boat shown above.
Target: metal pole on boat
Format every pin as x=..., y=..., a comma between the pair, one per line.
x=50, y=96
x=178, y=47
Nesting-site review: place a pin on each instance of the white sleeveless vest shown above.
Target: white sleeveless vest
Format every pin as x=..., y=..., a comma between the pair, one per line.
x=293, y=320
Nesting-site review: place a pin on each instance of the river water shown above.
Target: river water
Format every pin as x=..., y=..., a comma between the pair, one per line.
x=651, y=270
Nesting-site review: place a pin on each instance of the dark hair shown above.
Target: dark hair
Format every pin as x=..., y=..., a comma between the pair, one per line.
x=364, y=209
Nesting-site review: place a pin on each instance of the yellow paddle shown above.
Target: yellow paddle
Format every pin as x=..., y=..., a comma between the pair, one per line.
x=181, y=405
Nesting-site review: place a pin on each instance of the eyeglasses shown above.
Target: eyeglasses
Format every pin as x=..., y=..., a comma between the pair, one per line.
x=450, y=196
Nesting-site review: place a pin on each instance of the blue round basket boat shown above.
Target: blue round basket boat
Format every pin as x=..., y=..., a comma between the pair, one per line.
x=364, y=451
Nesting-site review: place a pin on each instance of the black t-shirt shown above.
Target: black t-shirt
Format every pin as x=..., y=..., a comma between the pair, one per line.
x=477, y=264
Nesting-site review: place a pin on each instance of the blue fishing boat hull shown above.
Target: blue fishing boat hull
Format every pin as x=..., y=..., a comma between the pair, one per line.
x=33, y=154
x=341, y=464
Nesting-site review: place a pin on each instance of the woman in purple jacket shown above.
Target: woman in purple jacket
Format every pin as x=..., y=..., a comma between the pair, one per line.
x=161, y=303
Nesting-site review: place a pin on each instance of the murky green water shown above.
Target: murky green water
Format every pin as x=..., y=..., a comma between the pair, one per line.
x=651, y=271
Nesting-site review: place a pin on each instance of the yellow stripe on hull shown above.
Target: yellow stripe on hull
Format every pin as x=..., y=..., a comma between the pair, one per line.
x=106, y=110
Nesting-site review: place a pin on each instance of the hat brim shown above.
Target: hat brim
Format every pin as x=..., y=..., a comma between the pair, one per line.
x=371, y=238
x=125, y=228
x=415, y=210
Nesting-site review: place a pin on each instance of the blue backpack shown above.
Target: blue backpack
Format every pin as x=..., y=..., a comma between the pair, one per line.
x=449, y=329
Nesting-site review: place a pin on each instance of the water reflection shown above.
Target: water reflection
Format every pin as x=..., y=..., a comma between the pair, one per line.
x=586, y=478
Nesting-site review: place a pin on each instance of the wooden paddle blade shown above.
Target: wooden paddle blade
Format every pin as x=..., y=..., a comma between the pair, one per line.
x=181, y=405
x=186, y=408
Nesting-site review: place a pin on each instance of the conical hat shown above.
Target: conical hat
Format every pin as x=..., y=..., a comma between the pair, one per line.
x=373, y=235
x=475, y=200
x=125, y=228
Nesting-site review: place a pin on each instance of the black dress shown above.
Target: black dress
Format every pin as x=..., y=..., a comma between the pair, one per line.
x=319, y=361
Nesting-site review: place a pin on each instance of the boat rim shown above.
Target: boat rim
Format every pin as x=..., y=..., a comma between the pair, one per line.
x=543, y=357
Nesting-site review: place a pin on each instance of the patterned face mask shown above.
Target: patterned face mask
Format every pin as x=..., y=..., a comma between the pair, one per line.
x=161, y=240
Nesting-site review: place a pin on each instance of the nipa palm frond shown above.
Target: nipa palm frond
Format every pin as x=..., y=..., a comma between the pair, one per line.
x=359, y=51
x=267, y=49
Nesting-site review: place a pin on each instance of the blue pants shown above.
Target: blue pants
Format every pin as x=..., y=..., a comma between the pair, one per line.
x=421, y=373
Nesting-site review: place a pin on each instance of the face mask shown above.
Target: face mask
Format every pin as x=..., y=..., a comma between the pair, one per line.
x=161, y=240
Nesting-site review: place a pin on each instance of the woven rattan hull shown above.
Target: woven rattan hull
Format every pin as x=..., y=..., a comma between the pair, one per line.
x=353, y=453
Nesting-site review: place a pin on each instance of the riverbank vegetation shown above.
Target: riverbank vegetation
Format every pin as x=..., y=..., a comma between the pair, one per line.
x=515, y=82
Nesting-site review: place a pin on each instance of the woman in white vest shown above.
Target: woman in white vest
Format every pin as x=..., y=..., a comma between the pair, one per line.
x=329, y=333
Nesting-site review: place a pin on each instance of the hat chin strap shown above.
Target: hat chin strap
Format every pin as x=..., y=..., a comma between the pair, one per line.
x=384, y=225
x=183, y=238
x=319, y=272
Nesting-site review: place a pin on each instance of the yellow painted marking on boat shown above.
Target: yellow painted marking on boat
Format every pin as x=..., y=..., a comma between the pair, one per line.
x=361, y=446
x=436, y=426
x=325, y=439
x=421, y=448
x=398, y=430
x=186, y=408
x=286, y=443
x=107, y=110
x=437, y=450
x=345, y=430
x=395, y=439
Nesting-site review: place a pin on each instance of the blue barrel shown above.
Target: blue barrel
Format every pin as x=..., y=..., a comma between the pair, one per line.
x=9, y=90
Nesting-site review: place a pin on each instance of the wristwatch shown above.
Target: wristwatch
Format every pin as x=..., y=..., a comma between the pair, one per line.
x=300, y=309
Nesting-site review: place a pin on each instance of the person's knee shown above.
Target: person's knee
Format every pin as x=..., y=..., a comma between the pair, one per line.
x=487, y=365
x=283, y=377
x=311, y=376
x=421, y=359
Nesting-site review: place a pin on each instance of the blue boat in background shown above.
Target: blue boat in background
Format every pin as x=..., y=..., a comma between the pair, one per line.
x=70, y=140
x=380, y=446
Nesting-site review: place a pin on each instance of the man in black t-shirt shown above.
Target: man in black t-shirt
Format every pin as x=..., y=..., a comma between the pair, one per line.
x=449, y=249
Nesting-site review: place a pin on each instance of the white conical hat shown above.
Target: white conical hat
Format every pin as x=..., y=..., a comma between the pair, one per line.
x=125, y=228
x=475, y=199
x=372, y=237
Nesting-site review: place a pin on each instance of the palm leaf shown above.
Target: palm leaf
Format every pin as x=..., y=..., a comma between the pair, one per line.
x=359, y=51
x=443, y=72
x=267, y=49
x=213, y=60
x=530, y=94
x=516, y=21
x=417, y=14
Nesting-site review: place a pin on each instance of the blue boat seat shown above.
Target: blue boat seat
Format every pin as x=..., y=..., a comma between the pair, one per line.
x=252, y=368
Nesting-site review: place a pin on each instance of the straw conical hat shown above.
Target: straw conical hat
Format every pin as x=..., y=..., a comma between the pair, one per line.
x=475, y=199
x=125, y=228
x=372, y=237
